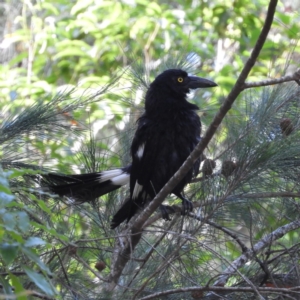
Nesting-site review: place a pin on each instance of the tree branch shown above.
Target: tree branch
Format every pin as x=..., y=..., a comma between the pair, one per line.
x=259, y=246
x=294, y=77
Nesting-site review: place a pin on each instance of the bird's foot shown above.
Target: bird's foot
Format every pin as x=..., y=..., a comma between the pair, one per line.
x=187, y=206
x=165, y=210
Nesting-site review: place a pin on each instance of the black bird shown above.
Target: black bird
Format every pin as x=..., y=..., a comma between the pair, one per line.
x=166, y=134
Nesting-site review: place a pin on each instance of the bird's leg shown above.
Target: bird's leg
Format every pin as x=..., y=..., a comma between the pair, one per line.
x=187, y=205
x=165, y=210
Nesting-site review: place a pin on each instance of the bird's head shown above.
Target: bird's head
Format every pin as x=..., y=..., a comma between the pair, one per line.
x=179, y=82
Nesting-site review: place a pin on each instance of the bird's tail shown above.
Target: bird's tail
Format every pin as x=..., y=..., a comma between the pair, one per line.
x=86, y=187
x=125, y=213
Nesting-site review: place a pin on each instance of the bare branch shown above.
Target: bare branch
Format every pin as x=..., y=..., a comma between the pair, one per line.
x=295, y=77
x=258, y=247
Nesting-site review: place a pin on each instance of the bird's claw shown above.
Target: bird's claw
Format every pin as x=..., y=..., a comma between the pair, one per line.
x=187, y=206
x=165, y=210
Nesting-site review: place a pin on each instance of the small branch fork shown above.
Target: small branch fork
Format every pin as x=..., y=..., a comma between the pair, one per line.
x=219, y=284
x=123, y=256
x=258, y=247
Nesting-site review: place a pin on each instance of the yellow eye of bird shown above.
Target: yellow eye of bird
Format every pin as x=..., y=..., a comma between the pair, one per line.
x=180, y=79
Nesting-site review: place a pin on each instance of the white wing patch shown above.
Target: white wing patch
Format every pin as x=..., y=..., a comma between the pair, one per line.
x=136, y=191
x=140, y=151
x=110, y=174
x=121, y=179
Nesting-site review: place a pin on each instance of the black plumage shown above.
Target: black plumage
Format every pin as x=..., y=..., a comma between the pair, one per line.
x=166, y=134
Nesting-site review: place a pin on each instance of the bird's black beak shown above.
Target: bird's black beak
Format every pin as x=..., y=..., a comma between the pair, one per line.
x=195, y=82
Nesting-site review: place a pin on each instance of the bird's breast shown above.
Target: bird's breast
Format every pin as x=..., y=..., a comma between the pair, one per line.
x=176, y=125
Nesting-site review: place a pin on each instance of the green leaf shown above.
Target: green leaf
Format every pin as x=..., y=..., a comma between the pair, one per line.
x=16, y=283
x=71, y=52
x=23, y=221
x=154, y=9
x=34, y=241
x=50, y=231
x=40, y=281
x=9, y=252
x=17, y=237
x=80, y=6
x=48, y=6
x=32, y=256
x=43, y=206
x=7, y=290
x=9, y=221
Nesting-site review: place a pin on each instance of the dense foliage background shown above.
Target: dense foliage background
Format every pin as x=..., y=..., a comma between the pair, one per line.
x=72, y=77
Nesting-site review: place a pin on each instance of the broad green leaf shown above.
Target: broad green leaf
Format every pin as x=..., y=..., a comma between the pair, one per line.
x=19, y=289
x=23, y=221
x=9, y=252
x=17, y=236
x=33, y=256
x=40, y=281
x=9, y=221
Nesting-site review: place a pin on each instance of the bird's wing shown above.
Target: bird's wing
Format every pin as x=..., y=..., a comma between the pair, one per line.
x=145, y=151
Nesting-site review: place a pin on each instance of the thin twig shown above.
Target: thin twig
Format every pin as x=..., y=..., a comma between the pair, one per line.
x=258, y=247
x=225, y=230
x=149, y=254
x=222, y=289
x=175, y=209
x=63, y=267
x=294, y=77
